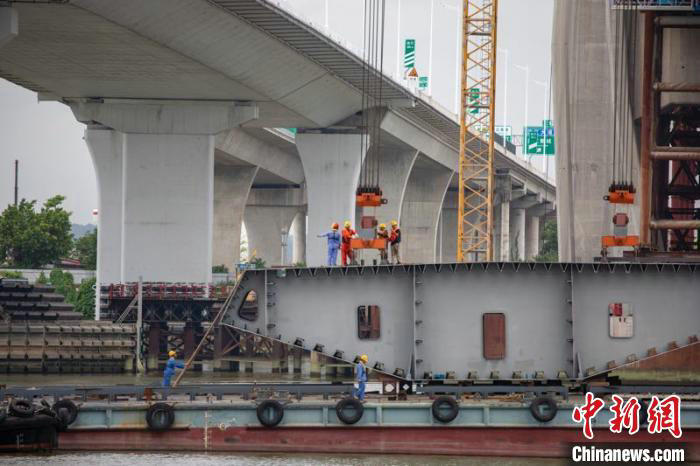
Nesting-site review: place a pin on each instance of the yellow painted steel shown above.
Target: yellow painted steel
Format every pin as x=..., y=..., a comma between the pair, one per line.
x=475, y=222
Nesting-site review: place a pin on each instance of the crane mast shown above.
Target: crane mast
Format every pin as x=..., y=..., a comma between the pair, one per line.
x=476, y=151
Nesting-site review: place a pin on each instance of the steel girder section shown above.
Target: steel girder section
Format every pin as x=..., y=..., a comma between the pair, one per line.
x=321, y=305
x=534, y=303
x=432, y=316
x=664, y=301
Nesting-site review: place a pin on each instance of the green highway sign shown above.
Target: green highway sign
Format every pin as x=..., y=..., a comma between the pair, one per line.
x=505, y=132
x=423, y=82
x=409, y=55
x=539, y=140
x=474, y=95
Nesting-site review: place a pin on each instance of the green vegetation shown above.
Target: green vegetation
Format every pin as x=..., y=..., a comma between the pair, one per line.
x=63, y=284
x=219, y=269
x=299, y=264
x=86, y=250
x=549, y=251
x=30, y=239
x=85, y=298
x=81, y=297
x=42, y=279
x=10, y=274
x=258, y=262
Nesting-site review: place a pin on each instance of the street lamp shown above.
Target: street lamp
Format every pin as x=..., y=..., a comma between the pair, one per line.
x=545, y=117
x=526, y=69
x=505, y=89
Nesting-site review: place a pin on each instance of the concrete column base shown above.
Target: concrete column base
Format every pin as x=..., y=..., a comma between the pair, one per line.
x=532, y=243
x=298, y=231
x=517, y=234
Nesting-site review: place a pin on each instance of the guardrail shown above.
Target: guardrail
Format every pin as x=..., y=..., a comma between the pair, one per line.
x=659, y=5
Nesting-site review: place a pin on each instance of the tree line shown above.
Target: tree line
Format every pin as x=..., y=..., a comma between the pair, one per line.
x=32, y=237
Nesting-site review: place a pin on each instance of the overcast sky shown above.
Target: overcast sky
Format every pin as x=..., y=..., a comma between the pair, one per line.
x=54, y=160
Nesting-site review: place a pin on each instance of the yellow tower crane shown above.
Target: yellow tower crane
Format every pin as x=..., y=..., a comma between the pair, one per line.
x=478, y=100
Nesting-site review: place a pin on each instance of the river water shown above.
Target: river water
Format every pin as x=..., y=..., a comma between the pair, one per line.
x=176, y=459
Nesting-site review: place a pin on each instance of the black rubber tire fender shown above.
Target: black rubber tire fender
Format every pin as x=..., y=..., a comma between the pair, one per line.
x=19, y=407
x=160, y=416
x=353, y=403
x=551, y=408
x=277, y=413
x=439, y=405
x=66, y=411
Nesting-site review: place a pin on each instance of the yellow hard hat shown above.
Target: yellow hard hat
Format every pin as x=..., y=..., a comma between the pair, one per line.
x=364, y=358
x=394, y=223
x=347, y=224
x=171, y=353
x=382, y=226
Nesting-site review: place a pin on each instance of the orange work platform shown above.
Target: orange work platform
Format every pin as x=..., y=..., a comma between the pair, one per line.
x=620, y=197
x=376, y=243
x=620, y=241
x=369, y=200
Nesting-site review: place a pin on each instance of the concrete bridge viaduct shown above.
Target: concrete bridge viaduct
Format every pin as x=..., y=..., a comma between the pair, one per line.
x=185, y=102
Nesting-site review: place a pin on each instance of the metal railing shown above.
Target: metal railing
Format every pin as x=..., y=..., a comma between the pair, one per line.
x=661, y=5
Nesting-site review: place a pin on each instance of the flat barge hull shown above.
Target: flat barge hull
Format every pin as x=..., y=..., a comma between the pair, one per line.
x=480, y=428
x=493, y=441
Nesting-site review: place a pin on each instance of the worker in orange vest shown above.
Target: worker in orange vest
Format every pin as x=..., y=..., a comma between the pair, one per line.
x=345, y=246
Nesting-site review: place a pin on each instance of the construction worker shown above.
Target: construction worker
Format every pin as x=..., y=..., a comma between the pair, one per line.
x=333, y=244
x=346, y=248
x=382, y=233
x=170, y=368
x=361, y=377
x=395, y=240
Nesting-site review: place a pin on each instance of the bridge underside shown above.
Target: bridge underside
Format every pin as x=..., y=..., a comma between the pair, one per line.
x=493, y=321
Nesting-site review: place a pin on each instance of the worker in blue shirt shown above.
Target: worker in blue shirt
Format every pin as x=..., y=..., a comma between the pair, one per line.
x=170, y=368
x=361, y=377
x=333, y=244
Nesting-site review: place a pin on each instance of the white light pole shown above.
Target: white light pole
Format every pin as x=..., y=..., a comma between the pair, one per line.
x=505, y=88
x=545, y=114
x=399, y=49
x=430, y=50
x=458, y=54
x=326, y=21
x=527, y=92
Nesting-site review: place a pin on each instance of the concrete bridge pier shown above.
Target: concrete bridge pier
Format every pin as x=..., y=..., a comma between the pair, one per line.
x=420, y=212
x=167, y=182
x=395, y=167
x=231, y=187
x=106, y=151
x=298, y=230
x=268, y=216
x=332, y=167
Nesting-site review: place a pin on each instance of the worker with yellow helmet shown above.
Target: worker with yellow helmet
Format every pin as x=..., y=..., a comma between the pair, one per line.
x=361, y=377
x=383, y=233
x=170, y=368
